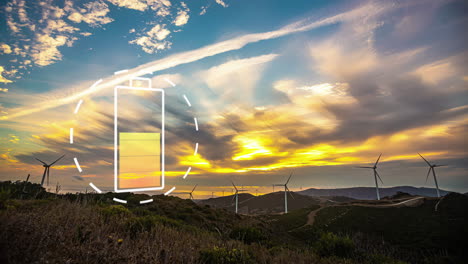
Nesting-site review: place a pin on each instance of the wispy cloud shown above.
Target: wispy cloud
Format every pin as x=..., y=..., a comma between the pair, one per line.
x=210, y=50
x=236, y=79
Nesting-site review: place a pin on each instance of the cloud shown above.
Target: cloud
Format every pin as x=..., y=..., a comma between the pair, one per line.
x=182, y=16
x=222, y=3
x=5, y=48
x=93, y=13
x=39, y=38
x=4, y=90
x=438, y=71
x=3, y=79
x=160, y=6
x=160, y=81
x=131, y=4
x=45, y=51
x=209, y=50
x=236, y=79
x=77, y=177
x=154, y=40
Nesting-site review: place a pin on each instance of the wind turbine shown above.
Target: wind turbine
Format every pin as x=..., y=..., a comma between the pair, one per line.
x=376, y=175
x=236, y=195
x=189, y=193
x=431, y=168
x=47, y=169
x=286, y=190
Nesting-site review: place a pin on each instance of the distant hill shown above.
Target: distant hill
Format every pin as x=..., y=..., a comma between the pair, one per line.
x=225, y=201
x=270, y=203
x=368, y=193
x=398, y=195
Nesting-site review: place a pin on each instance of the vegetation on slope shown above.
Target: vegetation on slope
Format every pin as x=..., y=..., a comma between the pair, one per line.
x=420, y=234
x=38, y=227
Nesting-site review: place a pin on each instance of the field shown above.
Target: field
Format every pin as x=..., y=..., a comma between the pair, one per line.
x=41, y=227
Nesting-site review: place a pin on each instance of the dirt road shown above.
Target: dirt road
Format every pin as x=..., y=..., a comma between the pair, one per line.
x=410, y=202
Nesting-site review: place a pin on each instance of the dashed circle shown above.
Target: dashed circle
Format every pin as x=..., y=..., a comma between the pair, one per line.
x=77, y=164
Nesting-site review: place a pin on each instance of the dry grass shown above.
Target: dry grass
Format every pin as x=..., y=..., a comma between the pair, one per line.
x=61, y=231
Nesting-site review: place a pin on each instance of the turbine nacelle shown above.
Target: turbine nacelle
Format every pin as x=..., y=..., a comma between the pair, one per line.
x=431, y=168
x=376, y=175
x=47, y=169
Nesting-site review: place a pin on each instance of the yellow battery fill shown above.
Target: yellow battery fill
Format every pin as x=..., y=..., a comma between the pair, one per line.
x=139, y=160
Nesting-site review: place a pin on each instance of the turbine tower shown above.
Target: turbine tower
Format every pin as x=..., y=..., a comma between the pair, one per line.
x=236, y=195
x=286, y=190
x=376, y=175
x=431, y=168
x=47, y=169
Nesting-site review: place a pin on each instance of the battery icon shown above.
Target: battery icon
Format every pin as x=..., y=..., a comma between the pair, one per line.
x=138, y=147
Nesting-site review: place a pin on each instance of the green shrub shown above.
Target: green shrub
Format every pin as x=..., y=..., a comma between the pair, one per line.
x=247, y=234
x=330, y=244
x=222, y=255
x=115, y=210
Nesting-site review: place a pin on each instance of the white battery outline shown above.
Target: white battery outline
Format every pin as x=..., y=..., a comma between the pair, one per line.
x=116, y=143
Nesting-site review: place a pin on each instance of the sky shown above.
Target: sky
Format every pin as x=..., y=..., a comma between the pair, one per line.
x=313, y=88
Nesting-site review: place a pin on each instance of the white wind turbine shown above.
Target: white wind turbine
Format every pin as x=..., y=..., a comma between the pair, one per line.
x=431, y=168
x=189, y=193
x=236, y=195
x=286, y=190
x=376, y=175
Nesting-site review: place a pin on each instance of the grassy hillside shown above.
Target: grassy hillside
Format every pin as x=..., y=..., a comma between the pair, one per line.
x=271, y=203
x=39, y=227
x=418, y=232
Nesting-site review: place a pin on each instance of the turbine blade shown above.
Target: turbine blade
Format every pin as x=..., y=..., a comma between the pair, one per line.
x=378, y=176
x=441, y=165
x=424, y=159
x=290, y=175
x=43, y=176
x=41, y=161
x=378, y=160
x=57, y=160
x=428, y=172
x=290, y=193
x=365, y=167
x=194, y=188
x=234, y=185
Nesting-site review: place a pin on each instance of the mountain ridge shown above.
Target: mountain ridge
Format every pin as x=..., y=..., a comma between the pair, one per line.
x=368, y=193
